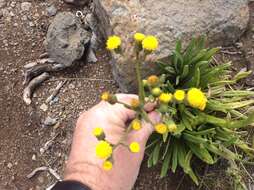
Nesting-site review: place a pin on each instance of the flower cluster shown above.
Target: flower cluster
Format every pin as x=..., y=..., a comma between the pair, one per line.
x=198, y=114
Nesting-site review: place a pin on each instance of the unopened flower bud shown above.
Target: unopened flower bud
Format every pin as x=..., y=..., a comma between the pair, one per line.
x=156, y=91
x=135, y=103
x=153, y=80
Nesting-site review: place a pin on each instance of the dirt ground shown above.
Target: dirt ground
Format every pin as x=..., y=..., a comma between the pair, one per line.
x=22, y=133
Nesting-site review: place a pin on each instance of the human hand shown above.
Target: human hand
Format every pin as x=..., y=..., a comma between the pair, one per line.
x=84, y=166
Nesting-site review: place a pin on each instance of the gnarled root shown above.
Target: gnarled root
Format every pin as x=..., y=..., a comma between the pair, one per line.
x=28, y=91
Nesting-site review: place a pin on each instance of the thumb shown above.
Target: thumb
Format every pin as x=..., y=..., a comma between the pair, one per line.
x=147, y=129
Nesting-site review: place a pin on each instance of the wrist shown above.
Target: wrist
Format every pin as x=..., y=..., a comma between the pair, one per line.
x=87, y=174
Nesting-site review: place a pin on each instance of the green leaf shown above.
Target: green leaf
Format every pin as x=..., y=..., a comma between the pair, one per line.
x=165, y=164
x=242, y=123
x=166, y=148
x=242, y=75
x=201, y=152
x=194, y=138
x=194, y=81
x=211, y=53
x=186, y=122
x=178, y=47
x=198, y=57
x=189, y=51
x=202, y=132
x=234, y=93
x=185, y=71
x=221, y=151
x=193, y=176
x=180, y=129
x=164, y=137
x=156, y=153
x=174, y=158
x=170, y=87
x=150, y=161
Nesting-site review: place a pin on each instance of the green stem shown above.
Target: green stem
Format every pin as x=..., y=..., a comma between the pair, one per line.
x=141, y=92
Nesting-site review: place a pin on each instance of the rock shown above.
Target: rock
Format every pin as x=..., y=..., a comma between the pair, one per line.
x=51, y=10
x=223, y=21
x=44, y=107
x=66, y=39
x=9, y=165
x=50, y=121
x=34, y=157
x=13, y=4
x=77, y=2
x=2, y=3
x=25, y=6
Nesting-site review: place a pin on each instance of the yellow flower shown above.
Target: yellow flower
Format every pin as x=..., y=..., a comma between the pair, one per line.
x=150, y=43
x=98, y=131
x=113, y=42
x=196, y=98
x=136, y=124
x=135, y=103
x=161, y=128
x=103, y=149
x=165, y=98
x=105, y=96
x=134, y=147
x=107, y=165
x=172, y=127
x=139, y=37
x=153, y=80
x=179, y=95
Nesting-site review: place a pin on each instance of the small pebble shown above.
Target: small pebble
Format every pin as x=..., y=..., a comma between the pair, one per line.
x=44, y=107
x=25, y=6
x=51, y=10
x=34, y=157
x=9, y=165
x=50, y=121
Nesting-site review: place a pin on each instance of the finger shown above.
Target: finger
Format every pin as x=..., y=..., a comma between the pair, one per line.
x=147, y=129
x=126, y=114
x=150, y=106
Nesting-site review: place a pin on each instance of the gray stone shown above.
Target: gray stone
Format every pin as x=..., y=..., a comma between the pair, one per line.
x=50, y=121
x=51, y=10
x=25, y=6
x=66, y=39
x=223, y=21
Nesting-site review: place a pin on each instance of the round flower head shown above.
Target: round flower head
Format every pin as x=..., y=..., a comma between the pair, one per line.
x=161, y=128
x=139, y=37
x=156, y=91
x=179, y=95
x=172, y=127
x=165, y=98
x=153, y=80
x=134, y=147
x=98, y=131
x=113, y=42
x=150, y=43
x=136, y=124
x=105, y=96
x=103, y=150
x=107, y=165
x=135, y=103
x=196, y=98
